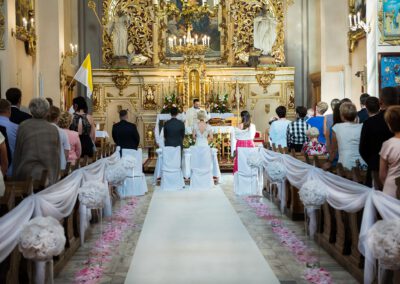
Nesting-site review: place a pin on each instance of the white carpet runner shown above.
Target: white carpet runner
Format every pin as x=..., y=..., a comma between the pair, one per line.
x=196, y=237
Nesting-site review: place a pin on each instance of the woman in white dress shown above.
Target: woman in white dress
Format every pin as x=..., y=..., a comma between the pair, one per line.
x=244, y=135
x=202, y=132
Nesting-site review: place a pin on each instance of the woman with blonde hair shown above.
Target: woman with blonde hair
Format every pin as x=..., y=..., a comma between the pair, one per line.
x=202, y=131
x=313, y=146
x=73, y=137
x=318, y=120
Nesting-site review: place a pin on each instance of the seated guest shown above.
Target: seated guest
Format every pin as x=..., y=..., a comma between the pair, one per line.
x=313, y=146
x=174, y=130
x=11, y=129
x=53, y=117
x=244, y=135
x=389, y=168
x=38, y=145
x=73, y=137
x=296, y=131
x=375, y=131
x=372, y=106
x=278, y=129
x=3, y=156
x=14, y=95
x=346, y=138
x=363, y=113
x=124, y=133
x=83, y=123
x=318, y=120
x=328, y=122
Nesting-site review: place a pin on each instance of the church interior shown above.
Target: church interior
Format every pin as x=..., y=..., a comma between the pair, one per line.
x=294, y=179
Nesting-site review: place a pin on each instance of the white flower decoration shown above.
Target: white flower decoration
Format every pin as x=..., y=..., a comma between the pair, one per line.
x=276, y=171
x=383, y=240
x=92, y=194
x=313, y=193
x=254, y=160
x=41, y=239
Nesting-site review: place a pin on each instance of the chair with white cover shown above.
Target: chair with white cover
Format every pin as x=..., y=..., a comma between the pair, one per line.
x=246, y=179
x=135, y=185
x=157, y=170
x=201, y=166
x=171, y=176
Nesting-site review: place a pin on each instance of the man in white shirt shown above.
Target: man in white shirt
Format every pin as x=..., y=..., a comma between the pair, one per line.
x=191, y=113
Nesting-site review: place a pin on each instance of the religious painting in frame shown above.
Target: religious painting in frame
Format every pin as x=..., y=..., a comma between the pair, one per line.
x=389, y=21
x=355, y=7
x=389, y=70
x=205, y=26
x=24, y=9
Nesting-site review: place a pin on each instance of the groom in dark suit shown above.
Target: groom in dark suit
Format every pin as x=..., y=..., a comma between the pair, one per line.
x=124, y=133
x=174, y=130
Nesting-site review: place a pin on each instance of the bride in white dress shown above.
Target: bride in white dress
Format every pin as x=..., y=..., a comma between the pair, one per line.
x=202, y=131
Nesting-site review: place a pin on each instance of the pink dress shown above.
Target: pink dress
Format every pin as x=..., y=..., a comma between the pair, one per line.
x=391, y=153
x=244, y=139
x=312, y=148
x=76, y=149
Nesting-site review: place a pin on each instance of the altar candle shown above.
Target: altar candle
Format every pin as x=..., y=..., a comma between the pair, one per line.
x=32, y=22
x=184, y=39
x=180, y=41
x=358, y=18
x=155, y=2
x=76, y=47
x=204, y=2
x=196, y=38
x=355, y=20
x=24, y=23
x=174, y=40
x=350, y=20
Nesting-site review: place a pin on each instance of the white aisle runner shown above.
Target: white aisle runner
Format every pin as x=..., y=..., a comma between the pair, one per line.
x=196, y=237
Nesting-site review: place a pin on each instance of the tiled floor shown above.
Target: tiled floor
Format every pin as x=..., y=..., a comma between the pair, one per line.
x=284, y=265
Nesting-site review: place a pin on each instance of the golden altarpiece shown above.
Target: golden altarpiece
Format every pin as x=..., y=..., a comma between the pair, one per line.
x=155, y=65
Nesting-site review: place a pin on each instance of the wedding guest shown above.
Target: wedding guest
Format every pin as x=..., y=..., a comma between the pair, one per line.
x=53, y=117
x=296, y=131
x=125, y=133
x=389, y=168
x=363, y=113
x=278, y=129
x=318, y=120
x=313, y=146
x=3, y=156
x=11, y=130
x=73, y=137
x=83, y=123
x=37, y=146
x=372, y=106
x=174, y=130
x=244, y=135
x=346, y=138
x=14, y=96
x=310, y=113
x=328, y=122
x=375, y=131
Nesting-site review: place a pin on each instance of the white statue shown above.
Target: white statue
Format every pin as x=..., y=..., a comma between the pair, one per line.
x=118, y=30
x=265, y=31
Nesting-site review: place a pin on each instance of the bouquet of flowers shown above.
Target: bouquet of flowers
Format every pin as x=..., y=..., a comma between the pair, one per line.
x=188, y=141
x=219, y=105
x=170, y=102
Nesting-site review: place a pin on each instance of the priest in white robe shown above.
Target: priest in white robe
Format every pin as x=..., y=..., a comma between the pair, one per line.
x=191, y=114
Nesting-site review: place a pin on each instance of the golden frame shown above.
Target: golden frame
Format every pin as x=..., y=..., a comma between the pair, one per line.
x=354, y=37
x=383, y=39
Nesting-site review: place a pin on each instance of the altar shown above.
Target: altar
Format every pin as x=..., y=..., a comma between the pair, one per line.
x=218, y=52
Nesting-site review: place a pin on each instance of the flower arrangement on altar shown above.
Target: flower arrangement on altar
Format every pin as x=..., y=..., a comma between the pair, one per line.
x=188, y=141
x=170, y=102
x=218, y=104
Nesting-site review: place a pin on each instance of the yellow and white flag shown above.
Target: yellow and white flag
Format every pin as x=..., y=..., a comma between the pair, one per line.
x=84, y=75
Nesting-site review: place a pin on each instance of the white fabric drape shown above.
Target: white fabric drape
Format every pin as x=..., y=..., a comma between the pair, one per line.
x=57, y=201
x=345, y=195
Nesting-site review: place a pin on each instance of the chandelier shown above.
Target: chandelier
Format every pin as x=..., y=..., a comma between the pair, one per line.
x=188, y=45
